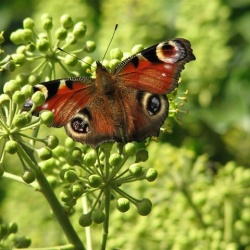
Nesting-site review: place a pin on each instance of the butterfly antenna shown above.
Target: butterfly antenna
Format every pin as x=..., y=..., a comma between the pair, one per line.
x=116, y=26
x=66, y=52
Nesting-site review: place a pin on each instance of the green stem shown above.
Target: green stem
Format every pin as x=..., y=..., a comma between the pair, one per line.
x=105, y=228
x=107, y=198
x=55, y=205
x=15, y=178
x=192, y=205
x=87, y=229
x=66, y=247
x=58, y=211
x=228, y=220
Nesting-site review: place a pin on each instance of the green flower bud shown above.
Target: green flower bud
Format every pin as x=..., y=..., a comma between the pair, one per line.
x=90, y=158
x=77, y=190
x=71, y=203
x=123, y=205
x=21, y=49
x=31, y=47
x=95, y=181
x=70, y=176
x=113, y=63
x=144, y=207
x=27, y=90
x=59, y=151
x=61, y=33
x=22, y=79
x=11, y=86
x=27, y=35
x=9, y=66
x=90, y=46
x=71, y=39
x=66, y=21
x=47, y=117
x=46, y=16
x=98, y=216
x=116, y=54
x=28, y=23
x=129, y=149
x=34, y=79
x=52, y=141
x=79, y=29
x=22, y=242
x=136, y=170
x=70, y=60
x=69, y=143
x=44, y=153
x=85, y=220
x=13, y=228
x=137, y=48
x=21, y=36
x=125, y=55
x=115, y=160
x=42, y=44
x=65, y=168
x=11, y=147
x=38, y=98
x=151, y=174
x=141, y=155
x=105, y=63
x=76, y=153
x=19, y=97
x=4, y=99
x=47, y=165
x=65, y=196
x=20, y=120
x=1, y=37
x=15, y=37
x=47, y=24
x=86, y=62
x=18, y=58
x=28, y=176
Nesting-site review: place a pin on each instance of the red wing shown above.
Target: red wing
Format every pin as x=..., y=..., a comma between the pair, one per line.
x=66, y=97
x=156, y=69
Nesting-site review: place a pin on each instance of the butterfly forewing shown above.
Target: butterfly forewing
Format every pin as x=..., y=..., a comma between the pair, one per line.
x=67, y=99
x=156, y=69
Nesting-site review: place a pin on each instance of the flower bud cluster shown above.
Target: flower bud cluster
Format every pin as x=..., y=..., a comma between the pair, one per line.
x=8, y=237
x=15, y=119
x=97, y=173
x=43, y=47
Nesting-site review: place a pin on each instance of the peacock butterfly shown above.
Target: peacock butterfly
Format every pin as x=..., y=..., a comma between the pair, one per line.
x=128, y=104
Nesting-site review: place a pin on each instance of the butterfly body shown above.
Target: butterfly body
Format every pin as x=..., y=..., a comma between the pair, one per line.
x=128, y=104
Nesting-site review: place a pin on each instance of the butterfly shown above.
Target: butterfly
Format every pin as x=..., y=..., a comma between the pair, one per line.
x=128, y=104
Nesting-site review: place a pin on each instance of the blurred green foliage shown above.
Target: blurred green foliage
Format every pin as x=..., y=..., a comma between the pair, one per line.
x=202, y=195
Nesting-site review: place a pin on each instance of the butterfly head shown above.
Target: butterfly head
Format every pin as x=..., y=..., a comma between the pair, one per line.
x=105, y=81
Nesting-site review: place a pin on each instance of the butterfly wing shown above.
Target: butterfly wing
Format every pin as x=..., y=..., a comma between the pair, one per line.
x=127, y=105
x=156, y=69
x=150, y=75
x=65, y=97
